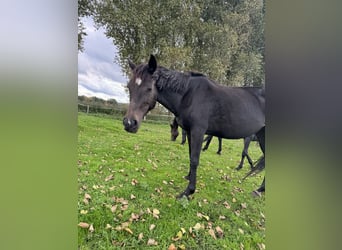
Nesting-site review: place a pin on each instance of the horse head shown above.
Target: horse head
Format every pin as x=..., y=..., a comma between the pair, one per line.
x=142, y=93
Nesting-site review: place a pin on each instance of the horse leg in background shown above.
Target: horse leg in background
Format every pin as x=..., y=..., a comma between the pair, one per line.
x=187, y=177
x=246, y=142
x=220, y=145
x=183, y=137
x=208, y=140
x=261, y=138
x=195, y=140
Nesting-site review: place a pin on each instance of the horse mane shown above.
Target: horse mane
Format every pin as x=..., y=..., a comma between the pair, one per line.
x=173, y=80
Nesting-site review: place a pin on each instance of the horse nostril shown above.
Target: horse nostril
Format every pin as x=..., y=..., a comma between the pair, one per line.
x=134, y=122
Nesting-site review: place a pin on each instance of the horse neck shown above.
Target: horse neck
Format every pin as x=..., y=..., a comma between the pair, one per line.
x=170, y=100
x=171, y=86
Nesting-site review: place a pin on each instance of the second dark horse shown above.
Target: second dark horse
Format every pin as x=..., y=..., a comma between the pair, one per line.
x=246, y=142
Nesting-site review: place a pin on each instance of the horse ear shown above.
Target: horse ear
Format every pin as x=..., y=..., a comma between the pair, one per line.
x=152, y=64
x=131, y=64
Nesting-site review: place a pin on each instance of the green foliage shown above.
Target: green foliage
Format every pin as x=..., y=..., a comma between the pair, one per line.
x=128, y=183
x=85, y=8
x=223, y=39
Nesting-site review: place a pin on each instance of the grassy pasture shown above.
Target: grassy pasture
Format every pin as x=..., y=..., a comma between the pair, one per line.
x=128, y=183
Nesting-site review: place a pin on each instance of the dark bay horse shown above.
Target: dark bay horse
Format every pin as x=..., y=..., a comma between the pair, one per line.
x=201, y=107
x=175, y=133
x=246, y=141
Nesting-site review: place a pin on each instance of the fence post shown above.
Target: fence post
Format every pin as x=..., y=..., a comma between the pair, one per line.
x=87, y=109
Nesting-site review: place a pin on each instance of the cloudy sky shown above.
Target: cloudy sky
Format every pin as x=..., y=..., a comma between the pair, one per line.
x=98, y=75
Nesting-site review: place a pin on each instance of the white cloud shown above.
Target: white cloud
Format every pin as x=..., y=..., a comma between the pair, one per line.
x=98, y=74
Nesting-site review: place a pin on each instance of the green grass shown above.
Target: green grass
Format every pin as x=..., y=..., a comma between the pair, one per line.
x=124, y=177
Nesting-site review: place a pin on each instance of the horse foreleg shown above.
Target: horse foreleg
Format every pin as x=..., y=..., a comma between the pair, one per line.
x=183, y=137
x=220, y=145
x=187, y=177
x=195, y=143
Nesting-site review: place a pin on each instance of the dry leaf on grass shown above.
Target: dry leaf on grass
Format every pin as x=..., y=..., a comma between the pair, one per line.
x=155, y=213
x=91, y=228
x=83, y=225
x=226, y=205
x=113, y=208
x=219, y=231
x=110, y=177
x=172, y=247
x=200, y=215
x=152, y=242
x=212, y=233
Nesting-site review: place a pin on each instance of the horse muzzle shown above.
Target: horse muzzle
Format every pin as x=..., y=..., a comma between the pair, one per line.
x=131, y=125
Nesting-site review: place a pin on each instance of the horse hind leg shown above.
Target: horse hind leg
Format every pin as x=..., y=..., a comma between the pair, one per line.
x=246, y=142
x=261, y=138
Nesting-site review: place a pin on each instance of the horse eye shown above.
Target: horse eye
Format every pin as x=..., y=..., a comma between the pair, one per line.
x=149, y=89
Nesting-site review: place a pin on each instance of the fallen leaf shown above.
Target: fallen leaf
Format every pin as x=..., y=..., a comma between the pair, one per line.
x=134, y=182
x=219, y=231
x=233, y=200
x=110, y=177
x=132, y=197
x=83, y=225
x=134, y=217
x=200, y=215
x=212, y=233
x=84, y=212
x=198, y=226
x=226, y=205
x=91, y=228
x=222, y=217
x=172, y=247
x=155, y=213
x=141, y=235
x=125, y=224
x=152, y=242
x=181, y=247
x=243, y=205
x=241, y=231
x=113, y=208
x=152, y=226
x=108, y=226
x=261, y=246
x=127, y=229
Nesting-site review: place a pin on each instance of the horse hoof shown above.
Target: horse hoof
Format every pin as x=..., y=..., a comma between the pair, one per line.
x=255, y=193
x=238, y=168
x=181, y=195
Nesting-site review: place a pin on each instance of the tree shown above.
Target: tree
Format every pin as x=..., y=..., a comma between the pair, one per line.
x=221, y=38
x=85, y=8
